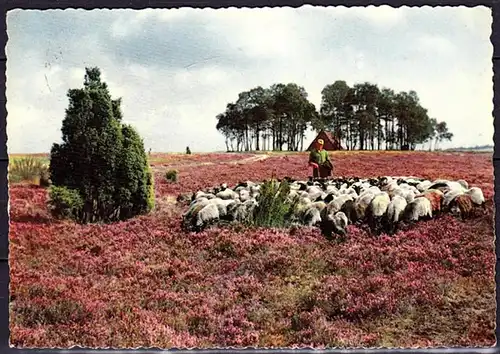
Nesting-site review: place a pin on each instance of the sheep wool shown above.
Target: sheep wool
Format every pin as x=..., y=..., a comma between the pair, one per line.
x=312, y=216
x=435, y=196
x=395, y=211
x=378, y=205
x=419, y=208
x=206, y=215
x=340, y=220
x=449, y=197
x=462, y=205
x=227, y=194
x=476, y=195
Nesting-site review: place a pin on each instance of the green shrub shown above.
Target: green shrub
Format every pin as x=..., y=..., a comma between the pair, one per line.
x=171, y=175
x=100, y=157
x=65, y=203
x=151, y=186
x=274, y=208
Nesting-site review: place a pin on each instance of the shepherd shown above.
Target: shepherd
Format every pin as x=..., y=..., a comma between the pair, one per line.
x=320, y=161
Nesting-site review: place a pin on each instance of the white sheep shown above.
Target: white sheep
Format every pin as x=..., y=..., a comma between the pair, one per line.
x=463, y=183
x=244, y=195
x=394, y=214
x=424, y=185
x=362, y=203
x=206, y=215
x=227, y=194
x=335, y=205
x=476, y=195
x=377, y=209
x=311, y=216
x=222, y=205
x=419, y=208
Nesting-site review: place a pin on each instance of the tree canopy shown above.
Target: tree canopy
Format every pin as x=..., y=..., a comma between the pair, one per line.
x=362, y=117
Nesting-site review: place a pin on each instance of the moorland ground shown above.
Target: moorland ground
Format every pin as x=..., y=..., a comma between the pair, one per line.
x=145, y=282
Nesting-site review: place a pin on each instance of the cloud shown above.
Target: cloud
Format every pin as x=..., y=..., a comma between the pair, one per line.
x=177, y=69
x=435, y=44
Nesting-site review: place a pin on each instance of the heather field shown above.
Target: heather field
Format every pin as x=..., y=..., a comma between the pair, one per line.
x=145, y=282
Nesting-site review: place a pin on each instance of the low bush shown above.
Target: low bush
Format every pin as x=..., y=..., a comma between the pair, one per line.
x=273, y=209
x=171, y=175
x=65, y=203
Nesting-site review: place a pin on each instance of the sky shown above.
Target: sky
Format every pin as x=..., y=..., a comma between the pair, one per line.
x=176, y=69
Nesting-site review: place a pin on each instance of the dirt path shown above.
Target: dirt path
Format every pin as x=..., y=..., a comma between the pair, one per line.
x=254, y=158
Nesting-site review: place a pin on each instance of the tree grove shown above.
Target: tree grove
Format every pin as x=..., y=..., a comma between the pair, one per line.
x=363, y=117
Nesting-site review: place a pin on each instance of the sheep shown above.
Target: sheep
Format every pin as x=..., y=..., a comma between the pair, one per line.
x=441, y=185
x=305, y=195
x=374, y=189
x=320, y=205
x=436, y=197
x=349, y=209
x=314, y=194
x=250, y=206
x=195, y=206
x=292, y=196
x=448, y=197
x=334, y=223
x=206, y=216
x=243, y=212
x=301, y=206
x=394, y=214
x=329, y=197
x=390, y=187
x=227, y=194
x=424, y=185
x=376, y=210
x=311, y=216
x=361, y=204
x=254, y=190
x=462, y=206
x=222, y=205
x=244, y=195
x=476, y=196
x=419, y=208
x=382, y=201
x=233, y=211
x=408, y=194
x=447, y=186
x=341, y=222
x=200, y=194
x=332, y=190
x=463, y=183
x=335, y=205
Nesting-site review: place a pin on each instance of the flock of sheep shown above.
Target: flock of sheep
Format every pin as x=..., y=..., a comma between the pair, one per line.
x=383, y=203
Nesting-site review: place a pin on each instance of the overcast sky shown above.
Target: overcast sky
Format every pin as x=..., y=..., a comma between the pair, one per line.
x=177, y=69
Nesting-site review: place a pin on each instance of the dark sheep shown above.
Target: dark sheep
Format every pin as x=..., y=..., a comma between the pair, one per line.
x=349, y=210
x=462, y=205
